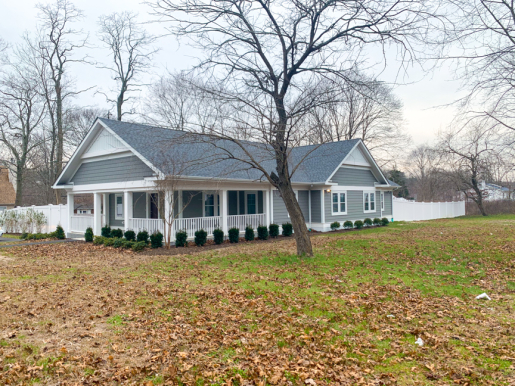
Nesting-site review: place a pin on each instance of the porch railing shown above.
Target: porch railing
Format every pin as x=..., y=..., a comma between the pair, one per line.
x=243, y=220
x=80, y=223
x=150, y=225
x=191, y=225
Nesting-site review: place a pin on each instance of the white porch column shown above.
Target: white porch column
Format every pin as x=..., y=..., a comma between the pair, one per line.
x=97, y=213
x=127, y=210
x=224, y=210
x=106, y=208
x=266, y=207
x=71, y=206
x=322, y=206
x=271, y=205
x=309, y=207
x=167, y=215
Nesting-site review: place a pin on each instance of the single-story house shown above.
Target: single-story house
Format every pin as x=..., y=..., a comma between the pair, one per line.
x=120, y=162
x=494, y=192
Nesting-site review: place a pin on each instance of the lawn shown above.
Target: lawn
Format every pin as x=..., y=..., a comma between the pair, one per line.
x=255, y=314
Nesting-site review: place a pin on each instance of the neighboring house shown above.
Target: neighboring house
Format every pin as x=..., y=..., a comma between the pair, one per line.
x=495, y=192
x=119, y=164
x=7, y=192
x=83, y=204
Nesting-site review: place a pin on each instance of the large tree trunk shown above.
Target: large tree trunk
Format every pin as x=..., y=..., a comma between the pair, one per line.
x=300, y=229
x=19, y=186
x=60, y=139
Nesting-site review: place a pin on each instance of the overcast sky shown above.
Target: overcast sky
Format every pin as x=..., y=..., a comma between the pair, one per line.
x=420, y=92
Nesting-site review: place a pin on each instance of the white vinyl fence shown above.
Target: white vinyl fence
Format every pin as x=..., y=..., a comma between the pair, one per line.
x=17, y=220
x=418, y=211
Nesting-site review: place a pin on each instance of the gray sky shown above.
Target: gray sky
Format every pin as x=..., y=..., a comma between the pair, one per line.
x=421, y=93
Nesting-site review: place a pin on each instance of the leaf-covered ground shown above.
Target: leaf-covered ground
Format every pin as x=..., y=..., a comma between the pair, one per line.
x=254, y=314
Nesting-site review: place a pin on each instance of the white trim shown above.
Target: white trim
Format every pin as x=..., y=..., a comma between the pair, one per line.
x=339, y=192
x=116, y=216
x=271, y=205
x=309, y=207
x=112, y=155
x=322, y=206
x=370, y=201
x=381, y=197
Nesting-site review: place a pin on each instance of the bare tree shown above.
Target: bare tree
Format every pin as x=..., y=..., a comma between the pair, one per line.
x=132, y=51
x=21, y=113
x=428, y=180
x=363, y=108
x=481, y=40
x=264, y=56
x=56, y=44
x=469, y=154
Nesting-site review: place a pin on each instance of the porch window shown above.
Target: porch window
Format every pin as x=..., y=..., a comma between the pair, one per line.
x=118, y=206
x=369, y=202
x=251, y=203
x=209, y=205
x=339, y=203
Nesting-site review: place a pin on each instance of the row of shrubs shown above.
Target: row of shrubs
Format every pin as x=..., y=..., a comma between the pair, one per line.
x=360, y=224
x=57, y=234
x=129, y=239
x=263, y=233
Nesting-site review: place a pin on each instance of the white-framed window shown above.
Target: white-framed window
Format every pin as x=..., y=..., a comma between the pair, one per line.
x=339, y=203
x=84, y=211
x=369, y=202
x=382, y=200
x=211, y=204
x=118, y=206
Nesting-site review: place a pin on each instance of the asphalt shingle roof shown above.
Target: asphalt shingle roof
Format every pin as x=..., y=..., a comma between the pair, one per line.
x=205, y=156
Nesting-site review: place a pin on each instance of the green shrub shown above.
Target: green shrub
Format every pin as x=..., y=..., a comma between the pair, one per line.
x=106, y=231
x=385, y=221
x=358, y=224
x=59, y=233
x=88, y=236
x=108, y=242
x=262, y=232
x=348, y=224
x=118, y=242
x=142, y=236
x=368, y=222
x=377, y=221
x=274, y=230
x=116, y=233
x=287, y=229
x=335, y=225
x=218, y=236
x=181, y=238
x=234, y=235
x=24, y=235
x=249, y=233
x=139, y=246
x=200, y=237
x=156, y=240
x=130, y=236
x=127, y=244
x=98, y=240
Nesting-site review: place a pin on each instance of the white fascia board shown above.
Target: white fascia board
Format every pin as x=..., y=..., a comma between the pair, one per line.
x=76, y=154
x=374, y=162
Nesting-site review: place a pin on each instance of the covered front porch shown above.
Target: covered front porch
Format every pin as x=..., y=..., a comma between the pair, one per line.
x=200, y=209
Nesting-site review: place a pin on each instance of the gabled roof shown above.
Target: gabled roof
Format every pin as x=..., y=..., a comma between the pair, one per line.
x=207, y=157
x=497, y=187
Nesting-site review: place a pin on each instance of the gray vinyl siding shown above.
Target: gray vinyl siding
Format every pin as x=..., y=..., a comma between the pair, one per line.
x=280, y=212
x=232, y=196
x=304, y=203
x=113, y=223
x=387, y=204
x=194, y=208
x=354, y=207
x=139, y=205
x=354, y=177
x=315, y=206
x=111, y=170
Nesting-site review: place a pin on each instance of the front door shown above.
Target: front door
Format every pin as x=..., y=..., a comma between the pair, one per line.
x=251, y=203
x=154, y=205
